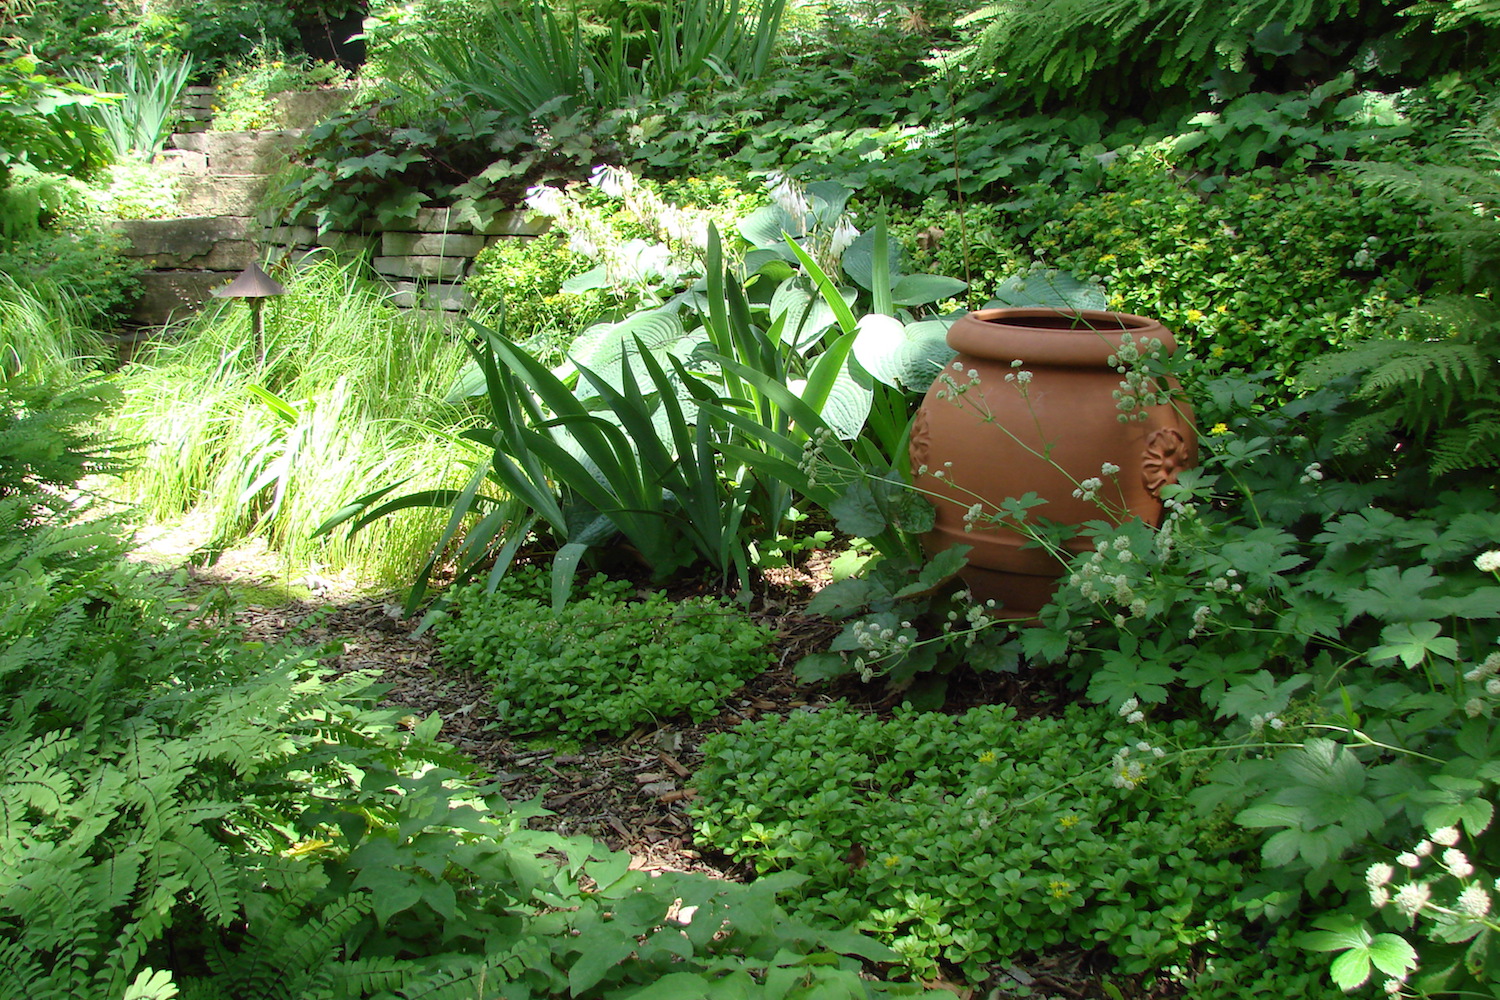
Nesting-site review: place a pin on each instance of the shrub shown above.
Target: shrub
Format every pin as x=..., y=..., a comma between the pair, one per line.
x=84, y=262
x=602, y=663
x=1261, y=273
x=242, y=97
x=527, y=276
x=184, y=811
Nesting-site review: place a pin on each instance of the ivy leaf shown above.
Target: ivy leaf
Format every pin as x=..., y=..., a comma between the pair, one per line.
x=1413, y=642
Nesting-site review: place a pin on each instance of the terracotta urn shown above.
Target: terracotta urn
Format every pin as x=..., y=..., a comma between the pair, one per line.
x=1032, y=404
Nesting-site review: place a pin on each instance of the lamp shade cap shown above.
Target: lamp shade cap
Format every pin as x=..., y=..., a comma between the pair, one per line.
x=252, y=283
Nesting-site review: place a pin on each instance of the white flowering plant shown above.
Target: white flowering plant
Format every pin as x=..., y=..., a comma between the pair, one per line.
x=1336, y=618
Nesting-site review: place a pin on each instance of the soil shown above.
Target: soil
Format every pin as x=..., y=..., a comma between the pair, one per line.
x=630, y=793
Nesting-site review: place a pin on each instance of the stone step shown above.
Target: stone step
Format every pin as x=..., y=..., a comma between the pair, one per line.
x=207, y=243
x=242, y=152
x=172, y=296
x=215, y=195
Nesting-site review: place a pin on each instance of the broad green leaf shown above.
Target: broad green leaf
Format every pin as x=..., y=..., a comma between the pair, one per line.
x=1048, y=288
x=903, y=356
x=1413, y=642
x=764, y=227
x=858, y=260
x=923, y=289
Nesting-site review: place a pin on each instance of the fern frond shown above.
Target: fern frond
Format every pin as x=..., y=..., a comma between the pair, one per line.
x=367, y=976
x=151, y=984
x=209, y=873
x=1474, y=444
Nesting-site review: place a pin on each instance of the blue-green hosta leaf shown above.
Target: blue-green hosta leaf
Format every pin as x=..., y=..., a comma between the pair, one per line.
x=827, y=199
x=773, y=263
x=923, y=289
x=807, y=315
x=848, y=404
x=858, y=260
x=588, y=281
x=603, y=348
x=1058, y=289
x=906, y=356
x=764, y=226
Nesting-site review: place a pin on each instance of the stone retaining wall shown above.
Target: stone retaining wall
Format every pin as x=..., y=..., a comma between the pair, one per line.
x=222, y=179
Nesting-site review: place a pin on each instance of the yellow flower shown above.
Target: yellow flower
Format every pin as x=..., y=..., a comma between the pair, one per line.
x=1069, y=821
x=1217, y=352
x=988, y=757
x=1059, y=888
x=1194, y=315
x=891, y=860
x=1220, y=428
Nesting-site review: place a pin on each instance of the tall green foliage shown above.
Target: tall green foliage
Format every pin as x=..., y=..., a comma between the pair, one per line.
x=146, y=110
x=1125, y=54
x=347, y=394
x=1435, y=383
x=184, y=813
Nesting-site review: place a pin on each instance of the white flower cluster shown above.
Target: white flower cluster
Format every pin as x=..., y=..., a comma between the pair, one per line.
x=1138, y=390
x=1259, y=723
x=1177, y=511
x=952, y=387
x=1488, y=562
x=812, y=453
x=632, y=262
x=871, y=637
x=1473, y=902
x=1485, y=676
x=1312, y=474
x=1088, y=490
x=1130, y=711
x=828, y=243
x=1101, y=580
x=1129, y=773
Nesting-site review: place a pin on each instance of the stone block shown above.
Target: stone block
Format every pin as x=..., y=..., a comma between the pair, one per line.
x=420, y=267
x=197, y=142
x=305, y=108
x=430, y=295
x=213, y=195
x=431, y=244
x=180, y=243
x=349, y=243
x=305, y=236
x=172, y=295
x=518, y=223
x=251, y=152
x=182, y=161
